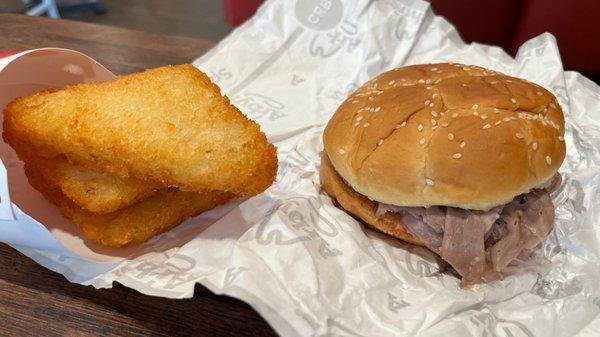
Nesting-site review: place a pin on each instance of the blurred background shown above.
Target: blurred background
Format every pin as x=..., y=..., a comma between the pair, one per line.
x=505, y=23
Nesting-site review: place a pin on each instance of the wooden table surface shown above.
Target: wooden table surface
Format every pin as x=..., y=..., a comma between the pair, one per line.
x=37, y=302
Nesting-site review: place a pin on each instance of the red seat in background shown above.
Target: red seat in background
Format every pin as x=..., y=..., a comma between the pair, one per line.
x=506, y=23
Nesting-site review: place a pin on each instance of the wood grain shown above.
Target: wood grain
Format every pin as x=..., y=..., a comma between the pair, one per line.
x=37, y=302
x=121, y=50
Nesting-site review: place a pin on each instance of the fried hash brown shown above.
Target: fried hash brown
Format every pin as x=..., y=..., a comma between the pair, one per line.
x=134, y=224
x=93, y=191
x=169, y=125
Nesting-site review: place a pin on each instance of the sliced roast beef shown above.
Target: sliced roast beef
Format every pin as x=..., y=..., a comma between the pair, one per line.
x=435, y=217
x=413, y=219
x=463, y=237
x=462, y=245
x=527, y=220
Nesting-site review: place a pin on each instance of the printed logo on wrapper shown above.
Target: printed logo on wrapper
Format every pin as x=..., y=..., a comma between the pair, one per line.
x=219, y=75
x=325, y=45
x=259, y=106
x=406, y=11
x=395, y=303
x=319, y=14
x=419, y=266
x=407, y=21
x=169, y=273
x=333, y=328
x=301, y=215
x=296, y=79
x=496, y=327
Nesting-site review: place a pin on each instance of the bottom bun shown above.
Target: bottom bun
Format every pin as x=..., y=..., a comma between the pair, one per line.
x=360, y=206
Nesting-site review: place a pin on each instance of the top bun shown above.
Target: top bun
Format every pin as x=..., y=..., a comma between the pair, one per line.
x=446, y=134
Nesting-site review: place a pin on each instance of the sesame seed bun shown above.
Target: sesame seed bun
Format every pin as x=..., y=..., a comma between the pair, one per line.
x=446, y=134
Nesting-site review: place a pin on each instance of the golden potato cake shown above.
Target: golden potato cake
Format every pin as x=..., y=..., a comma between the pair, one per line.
x=134, y=224
x=93, y=191
x=169, y=124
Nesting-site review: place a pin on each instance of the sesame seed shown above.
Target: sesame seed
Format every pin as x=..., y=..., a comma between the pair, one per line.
x=464, y=85
x=548, y=160
x=420, y=127
x=398, y=126
x=433, y=122
x=474, y=107
x=429, y=182
x=519, y=135
x=484, y=116
x=534, y=146
x=371, y=98
x=493, y=82
x=506, y=119
x=509, y=81
x=421, y=81
x=466, y=68
x=561, y=138
x=553, y=106
x=380, y=142
x=431, y=105
x=392, y=82
x=444, y=124
x=359, y=118
x=454, y=115
x=377, y=109
x=403, y=80
x=356, y=124
x=427, y=102
x=434, y=127
x=514, y=100
x=355, y=101
x=366, y=125
x=438, y=80
x=475, y=113
x=422, y=141
x=457, y=155
x=450, y=136
x=434, y=113
x=496, y=110
x=497, y=123
x=341, y=151
x=487, y=126
x=434, y=69
x=462, y=144
x=429, y=87
x=434, y=95
x=539, y=93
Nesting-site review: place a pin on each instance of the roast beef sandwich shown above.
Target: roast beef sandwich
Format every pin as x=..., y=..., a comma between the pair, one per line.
x=456, y=158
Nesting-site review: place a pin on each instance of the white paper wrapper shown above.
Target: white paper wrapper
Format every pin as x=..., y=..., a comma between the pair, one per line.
x=306, y=266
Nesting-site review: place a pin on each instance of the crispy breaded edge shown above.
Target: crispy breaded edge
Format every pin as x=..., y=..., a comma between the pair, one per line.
x=135, y=224
x=93, y=191
x=248, y=170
